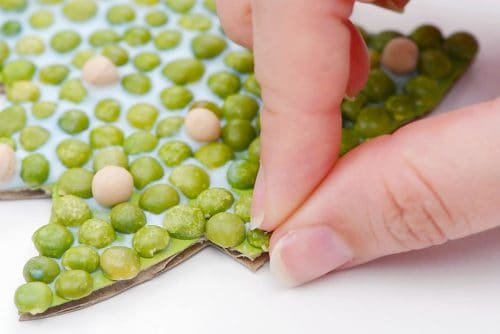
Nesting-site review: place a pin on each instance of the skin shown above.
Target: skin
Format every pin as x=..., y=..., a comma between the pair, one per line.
x=408, y=203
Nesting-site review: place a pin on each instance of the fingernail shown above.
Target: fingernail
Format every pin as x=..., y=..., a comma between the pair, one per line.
x=307, y=253
x=349, y=98
x=257, y=210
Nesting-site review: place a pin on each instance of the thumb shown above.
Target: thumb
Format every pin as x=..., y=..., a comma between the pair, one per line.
x=432, y=181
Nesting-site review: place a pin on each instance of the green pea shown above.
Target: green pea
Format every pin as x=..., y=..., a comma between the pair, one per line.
x=240, y=106
x=146, y=61
x=214, y=155
x=156, y=18
x=176, y=97
x=80, y=10
x=73, y=90
x=427, y=37
x=73, y=121
x=243, y=206
x=120, y=263
x=351, y=108
x=184, y=222
x=119, y=14
x=65, y=41
x=434, y=64
x=402, y=108
x=349, y=140
x=30, y=45
x=226, y=230
x=174, y=152
x=425, y=91
x=254, y=150
x=23, y=91
x=195, y=21
x=184, y=71
x=107, y=110
x=150, y=240
x=140, y=142
x=214, y=200
x=73, y=152
x=102, y=37
x=115, y=53
x=210, y=5
x=81, y=57
x=43, y=109
x=70, y=210
x=208, y=105
x=167, y=39
x=12, y=119
x=50, y=2
x=33, y=137
x=259, y=239
x=18, y=70
x=35, y=170
x=13, y=5
x=374, y=58
x=74, y=284
x=41, y=269
x=374, y=121
x=33, y=297
x=191, y=180
x=76, y=181
x=4, y=52
x=11, y=28
x=53, y=74
x=207, y=46
x=110, y=156
x=142, y=116
x=379, y=86
x=127, y=218
x=136, y=36
x=41, y=19
x=242, y=174
x=52, y=240
x=106, y=135
x=224, y=83
x=96, y=233
x=241, y=61
x=147, y=2
x=461, y=45
x=136, y=83
x=238, y=134
x=81, y=258
x=180, y=6
x=169, y=126
x=380, y=40
x=158, y=198
x=9, y=141
x=145, y=170
x=251, y=85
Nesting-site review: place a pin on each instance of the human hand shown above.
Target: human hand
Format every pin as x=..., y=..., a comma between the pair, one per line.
x=433, y=180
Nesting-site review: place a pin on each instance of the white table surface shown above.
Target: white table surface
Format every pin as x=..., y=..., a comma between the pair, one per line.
x=453, y=288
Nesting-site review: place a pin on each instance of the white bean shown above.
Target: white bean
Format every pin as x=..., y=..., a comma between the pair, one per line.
x=202, y=125
x=100, y=71
x=7, y=163
x=112, y=185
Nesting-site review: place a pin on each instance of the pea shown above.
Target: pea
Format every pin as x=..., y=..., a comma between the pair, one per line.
x=33, y=297
x=147, y=2
x=180, y=6
x=12, y=119
x=102, y=37
x=140, y=142
x=146, y=61
x=195, y=21
x=81, y=258
x=351, y=108
x=158, y=198
x=240, y=106
x=241, y=61
x=374, y=121
x=374, y=58
x=115, y=53
x=243, y=206
x=106, y=135
x=379, y=86
x=402, y=108
x=167, y=39
x=461, y=45
x=136, y=83
x=73, y=90
x=184, y=71
x=11, y=28
x=35, y=170
x=9, y=141
x=80, y=10
x=207, y=105
x=226, y=230
x=73, y=152
x=74, y=284
x=214, y=200
x=184, y=222
x=96, y=233
x=190, y=179
x=52, y=240
x=76, y=181
x=73, y=121
x=176, y=97
x=224, y=83
x=169, y=126
x=156, y=18
x=136, y=36
x=207, y=46
x=81, y=57
x=238, y=134
x=65, y=41
x=150, y=240
x=23, y=91
x=30, y=46
x=434, y=64
x=43, y=109
x=174, y=152
x=53, y=74
x=214, y=155
x=259, y=239
x=18, y=70
x=41, y=19
x=119, y=14
x=120, y=263
x=379, y=40
x=145, y=170
x=251, y=85
x=142, y=116
x=70, y=210
x=4, y=52
x=110, y=156
x=107, y=110
x=33, y=137
x=427, y=37
x=254, y=150
x=425, y=91
x=349, y=140
x=13, y=5
x=41, y=269
x=210, y=5
x=242, y=174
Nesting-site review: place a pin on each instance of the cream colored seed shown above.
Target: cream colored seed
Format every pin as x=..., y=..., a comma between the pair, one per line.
x=112, y=185
x=7, y=163
x=400, y=55
x=202, y=125
x=100, y=71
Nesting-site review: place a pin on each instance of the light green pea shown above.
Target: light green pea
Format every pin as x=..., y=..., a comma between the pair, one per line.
x=30, y=46
x=53, y=74
x=33, y=298
x=207, y=105
x=33, y=137
x=142, y=116
x=240, y=106
x=73, y=90
x=136, y=83
x=96, y=233
x=120, y=263
x=43, y=109
x=210, y=5
x=150, y=240
x=23, y=91
x=118, y=55
x=242, y=174
x=41, y=269
x=11, y=28
x=167, y=39
x=147, y=2
x=102, y=37
x=73, y=152
x=18, y=70
x=169, y=126
x=110, y=156
x=195, y=21
x=12, y=119
x=214, y=155
x=184, y=222
x=259, y=239
x=80, y=10
x=35, y=170
x=9, y=141
x=214, y=200
x=4, y=52
x=74, y=284
x=136, y=36
x=176, y=97
x=106, y=135
x=76, y=181
x=146, y=61
x=13, y=5
x=140, y=142
x=190, y=179
x=226, y=230
x=127, y=218
x=184, y=71
x=65, y=41
x=180, y=6
x=241, y=61
x=81, y=258
x=41, y=19
x=224, y=83
x=207, y=46
x=174, y=152
x=73, y=121
x=119, y=14
x=254, y=150
x=251, y=85
x=145, y=170
x=156, y=18
x=81, y=57
x=52, y=240
x=238, y=134
x=158, y=198
x=243, y=206
x=70, y=210
x=107, y=110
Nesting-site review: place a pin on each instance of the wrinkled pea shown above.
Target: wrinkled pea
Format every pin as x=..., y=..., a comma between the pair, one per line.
x=76, y=181
x=73, y=152
x=30, y=45
x=140, y=142
x=107, y=110
x=195, y=21
x=81, y=57
x=136, y=83
x=33, y=137
x=18, y=70
x=33, y=297
x=158, y=198
x=70, y=210
x=241, y=61
x=41, y=19
x=73, y=121
x=207, y=46
x=167, y=39
x=156, y=18
x=226, y=230
x=41, y=269
x=174, y=152
x=65, y=41
x=119, y=14
x=120, y=263
x=12, y=119
x=146, y=61
x=150, y=240
x=214, y=155
x=74, y=284
x=102, y=37
x=96, y=233
x=242, y=174
x=142, y=116
x=53, y=74
x=73, y=90
x=184, y=71
x=240, y=106
x=81, y=257
x=145, y=170
x=224, y=83
x=176, y=97
x=110, y=156
x=259, y=239
x=184, y=222
x=52, y=240
x=214, y=200
x=238, y=134
x=80, y=10
x=169, y=126
x=106, y=135
x=43, y=109
x=136, y=36
x=35, y=170
x=23, y=91
x=118, y=55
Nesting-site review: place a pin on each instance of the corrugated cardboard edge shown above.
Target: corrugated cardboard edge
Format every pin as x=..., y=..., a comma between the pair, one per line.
x=23, y=193
x=253, y=265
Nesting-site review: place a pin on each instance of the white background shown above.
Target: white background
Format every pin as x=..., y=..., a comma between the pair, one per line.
x=454, y=288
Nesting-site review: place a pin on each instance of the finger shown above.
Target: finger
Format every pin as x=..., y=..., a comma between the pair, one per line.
x=236, y=19
x=432, y=181
x=359, y=66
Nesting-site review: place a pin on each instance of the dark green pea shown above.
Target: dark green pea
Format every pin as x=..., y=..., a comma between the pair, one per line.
x=254, y=150
x=12, y=119
x=18, y=70
x=240, y=106
x=33, y=137
x=43, y=109
x=191, y=180
x=184, y=222
x=427, y=37
x=9, y=141
x=242, y=174
x=142, y=116
x=349, y=140
x=81, y=258
x=150, y=240
x=146, y=61
x=74, y=284
x=127, y=218
x=243, y=206
x=110, y=156
x=76, y=181
x=434, y=64
x=184, y=71
x=136, y=36
x=259, y=239
x=73, y=90
x=41, y=19
x=120, y=263
x=33, y=298
x=105, y=135
x=374, y=121
x=73, y=152
x=224, y=83
x=41, y=269
x=70, y=210
x=13, y=5
x=158, y=198
x=380, y=40
x=226, y=230
x=214, y=155
x=145, y=170
x=140, y=142
x=174, y=152
x=176, y=97
x=214, y=200
x=4, y=52
x=73, y=121
x=402, y=108
x=102, y=37
x=425, y=91
x=65, y=41
x=107, y=110
x=30, y=46
x=52, y=240
x=167, y=39
x=241, y=61
x=207, y=105
x=210, y=5
x=11, y=28
x=180, y=6
x=96, y=233
x=238, y=134
x=461, y=45
x=136, y=83
x=81, y=57
x=80, y=10
x=53, y=74
x=379, y=86
x=207, y=46
x=251, y=85
x=23, y=91
x=117, y=54
x=156, y=18
x=351, y=108
x=119, y=14
x=195, y=21
x=35, y=170
x=169, y=126
x=374, y=58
